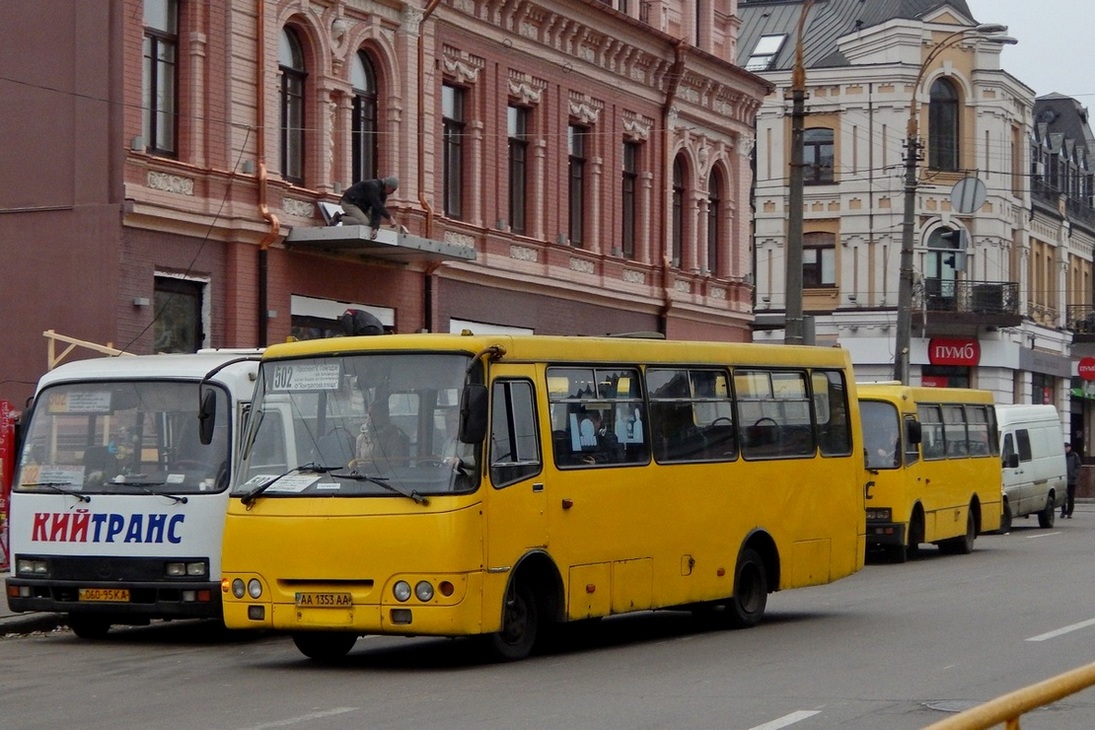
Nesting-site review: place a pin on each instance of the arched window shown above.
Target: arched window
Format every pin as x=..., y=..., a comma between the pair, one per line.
x=714, y=216
x=677, y=232
x=940, y=273
x=943, y=126
x=364, y=122
x=291, y=67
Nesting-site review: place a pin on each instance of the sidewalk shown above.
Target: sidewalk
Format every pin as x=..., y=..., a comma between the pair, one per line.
x=25, y=623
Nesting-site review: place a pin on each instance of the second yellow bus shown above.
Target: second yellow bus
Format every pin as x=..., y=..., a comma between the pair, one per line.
x=934, y=467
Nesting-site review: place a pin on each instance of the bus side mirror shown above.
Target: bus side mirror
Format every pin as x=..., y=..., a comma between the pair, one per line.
x=207, y=415
x=473, y=414
x=913, y=432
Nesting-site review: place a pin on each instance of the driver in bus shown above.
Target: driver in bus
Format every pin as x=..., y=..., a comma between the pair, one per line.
x=380, y=442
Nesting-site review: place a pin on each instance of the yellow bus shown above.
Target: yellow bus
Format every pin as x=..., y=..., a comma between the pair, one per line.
x=592, y=476
x=934, y=467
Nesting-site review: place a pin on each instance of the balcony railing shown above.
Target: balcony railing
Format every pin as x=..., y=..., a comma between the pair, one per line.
x=1081, y=318
x=969, y=297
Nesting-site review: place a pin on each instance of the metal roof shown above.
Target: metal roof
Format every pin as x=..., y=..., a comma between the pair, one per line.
x=827, y=21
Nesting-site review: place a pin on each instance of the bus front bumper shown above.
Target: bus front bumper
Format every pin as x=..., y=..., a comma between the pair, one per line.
x=885, y=533
x=134, y=599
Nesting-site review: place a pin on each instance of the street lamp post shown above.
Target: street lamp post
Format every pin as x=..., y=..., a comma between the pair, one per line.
x=912, y=156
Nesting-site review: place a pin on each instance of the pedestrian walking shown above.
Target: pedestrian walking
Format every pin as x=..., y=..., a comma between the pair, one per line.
x=1072, y=472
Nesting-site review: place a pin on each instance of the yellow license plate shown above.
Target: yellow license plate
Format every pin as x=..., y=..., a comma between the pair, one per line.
x=324, y=600
x=104, y=594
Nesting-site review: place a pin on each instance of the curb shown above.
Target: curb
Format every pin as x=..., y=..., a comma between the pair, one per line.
x=30, y=623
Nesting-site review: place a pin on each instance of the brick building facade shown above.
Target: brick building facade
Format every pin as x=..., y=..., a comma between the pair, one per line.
x=164, y=160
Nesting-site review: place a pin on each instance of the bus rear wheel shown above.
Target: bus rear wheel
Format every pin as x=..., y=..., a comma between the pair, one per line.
x=88, y=625
x=746, y=607
x=520, y=624
x=324, y=646
x=962, y=545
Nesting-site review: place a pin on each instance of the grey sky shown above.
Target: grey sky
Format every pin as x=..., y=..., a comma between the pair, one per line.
x=1056, y=49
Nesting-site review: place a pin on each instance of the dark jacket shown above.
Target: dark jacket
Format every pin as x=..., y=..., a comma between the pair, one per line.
x=1073, y=462
x=368, y=195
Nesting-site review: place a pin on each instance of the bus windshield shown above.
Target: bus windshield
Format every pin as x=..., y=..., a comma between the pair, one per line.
x=361, y=425
x=123, y=437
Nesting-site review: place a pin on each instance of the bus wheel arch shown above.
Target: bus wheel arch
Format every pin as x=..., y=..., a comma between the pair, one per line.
x=532, y=602
x=963, y=544
x=756, y=574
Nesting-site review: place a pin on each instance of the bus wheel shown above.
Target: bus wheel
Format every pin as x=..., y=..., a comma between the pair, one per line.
x=520, y=624
x=746, y=607
x=88, y=625
x=324, y=646
x=962, y=545
x=1047, y=516
x=916, y=536
x=1005, y=520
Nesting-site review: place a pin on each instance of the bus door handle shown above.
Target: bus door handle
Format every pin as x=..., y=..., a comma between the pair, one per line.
x=537, y=486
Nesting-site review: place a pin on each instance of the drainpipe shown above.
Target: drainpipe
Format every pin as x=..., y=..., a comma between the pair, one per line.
x=428, y=275
x=260, y=152
x=679, y=50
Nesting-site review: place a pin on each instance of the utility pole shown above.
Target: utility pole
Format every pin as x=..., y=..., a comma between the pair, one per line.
x=794, y=329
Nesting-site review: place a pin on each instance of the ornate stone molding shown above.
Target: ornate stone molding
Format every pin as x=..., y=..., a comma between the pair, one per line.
x=637, y=128
x=301, y=208
x=524, y=253
x=170, y=183
x=587, y=110
x=462, y=67
x=525, y=88
x=582, y=266
x=460, y=239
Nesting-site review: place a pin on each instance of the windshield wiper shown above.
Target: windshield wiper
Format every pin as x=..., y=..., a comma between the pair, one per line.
x=310, y=466
x=144, y=487
x=59, y=487
x=382, y=482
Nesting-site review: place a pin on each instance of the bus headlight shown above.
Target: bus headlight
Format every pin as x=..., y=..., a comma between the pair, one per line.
x=254, y=588
x=195, y=569
x=26, y=566
x=423, y=591
x=237, y=588
x=402, y=591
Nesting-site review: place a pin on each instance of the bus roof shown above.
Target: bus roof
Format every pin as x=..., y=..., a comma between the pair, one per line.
x=560, y=348
x=891, y=390
x=178, y=366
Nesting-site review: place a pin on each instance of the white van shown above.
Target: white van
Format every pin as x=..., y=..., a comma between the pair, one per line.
x=1033, y=455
